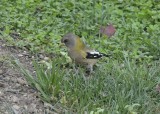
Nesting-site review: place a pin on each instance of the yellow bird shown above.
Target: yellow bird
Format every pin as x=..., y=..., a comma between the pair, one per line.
x=79, y=52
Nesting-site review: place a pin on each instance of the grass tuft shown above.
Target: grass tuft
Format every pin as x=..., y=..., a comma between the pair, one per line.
x=115, y=87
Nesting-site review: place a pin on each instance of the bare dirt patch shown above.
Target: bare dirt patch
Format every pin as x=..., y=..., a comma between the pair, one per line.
x=15, y=95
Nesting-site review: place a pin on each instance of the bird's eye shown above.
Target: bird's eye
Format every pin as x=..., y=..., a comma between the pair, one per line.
x=65, y=41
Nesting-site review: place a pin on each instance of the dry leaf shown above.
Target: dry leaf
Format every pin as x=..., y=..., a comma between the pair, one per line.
x=108, y=30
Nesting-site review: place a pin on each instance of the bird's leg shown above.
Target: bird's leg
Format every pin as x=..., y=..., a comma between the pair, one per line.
x=75, y=68
x=89, y=69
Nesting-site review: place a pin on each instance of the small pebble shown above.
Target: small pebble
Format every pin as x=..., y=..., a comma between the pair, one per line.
x=15, y=99
x=16, y=107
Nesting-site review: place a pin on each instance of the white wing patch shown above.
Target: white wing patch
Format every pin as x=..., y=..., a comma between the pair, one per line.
x=94, y=55
x=94, y=52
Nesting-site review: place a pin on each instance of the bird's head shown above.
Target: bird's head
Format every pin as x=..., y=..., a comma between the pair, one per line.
x=69, y=40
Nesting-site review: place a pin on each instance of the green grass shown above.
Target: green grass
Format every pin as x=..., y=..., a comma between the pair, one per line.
x=113, y=87
x=124, y=84
x=39, y=25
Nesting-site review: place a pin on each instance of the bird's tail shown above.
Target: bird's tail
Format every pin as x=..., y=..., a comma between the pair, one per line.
x=106, y=55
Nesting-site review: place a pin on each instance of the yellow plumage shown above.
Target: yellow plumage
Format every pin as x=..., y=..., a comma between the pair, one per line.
x=79, y=52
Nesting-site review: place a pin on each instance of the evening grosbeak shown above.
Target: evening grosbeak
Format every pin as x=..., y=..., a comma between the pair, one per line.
x=79, y=52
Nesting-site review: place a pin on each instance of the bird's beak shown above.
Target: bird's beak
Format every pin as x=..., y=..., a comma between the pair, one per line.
x=62, y=41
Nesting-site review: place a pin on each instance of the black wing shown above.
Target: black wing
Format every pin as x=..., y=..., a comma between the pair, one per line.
x=95, y=55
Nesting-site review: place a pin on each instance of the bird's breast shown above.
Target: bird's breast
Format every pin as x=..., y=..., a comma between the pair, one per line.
x=79, y=57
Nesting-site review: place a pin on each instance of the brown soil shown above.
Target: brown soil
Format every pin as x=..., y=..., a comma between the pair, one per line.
x=16, y=97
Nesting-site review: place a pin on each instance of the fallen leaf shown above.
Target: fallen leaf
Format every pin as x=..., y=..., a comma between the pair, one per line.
x=108, y=30
x=158, y=88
